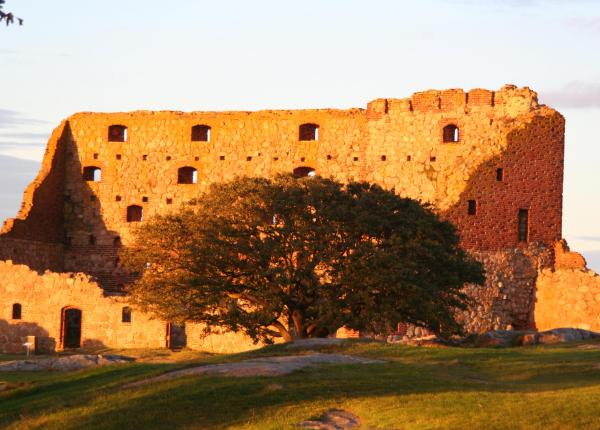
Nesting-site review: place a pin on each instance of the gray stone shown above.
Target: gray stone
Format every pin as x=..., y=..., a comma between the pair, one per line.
x=334, y=419
x=65, y=363
x=266, y=366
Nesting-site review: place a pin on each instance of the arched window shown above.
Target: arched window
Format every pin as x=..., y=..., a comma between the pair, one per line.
x=187, y=175
x=117, y=133
x=126, y=314
x=451, y=133
x=92, y=174
x=308, y=132
x=16, y=311
x=201, y=133
x=134, y=213
x=304, y=171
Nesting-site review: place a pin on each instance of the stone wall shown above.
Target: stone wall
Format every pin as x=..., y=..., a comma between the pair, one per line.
x=37, y=255
x=568, y=298
x=506, y=299
x=43, y=298
x=503, y=130
x=567, y=295
x=396, y=143
x=508, y=157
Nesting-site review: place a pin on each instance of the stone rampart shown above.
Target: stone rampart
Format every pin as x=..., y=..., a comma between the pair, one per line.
x=568, y=298
x=491, y=162
x=35, y=304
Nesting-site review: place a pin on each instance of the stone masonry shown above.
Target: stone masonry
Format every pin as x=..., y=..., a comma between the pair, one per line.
x=490, y=162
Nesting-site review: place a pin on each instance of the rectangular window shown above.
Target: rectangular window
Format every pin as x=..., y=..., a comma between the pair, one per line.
x=499, y=174
x=472, y=210
x=523, y=225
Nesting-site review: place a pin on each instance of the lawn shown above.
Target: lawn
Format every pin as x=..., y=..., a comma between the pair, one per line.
x=543, y=387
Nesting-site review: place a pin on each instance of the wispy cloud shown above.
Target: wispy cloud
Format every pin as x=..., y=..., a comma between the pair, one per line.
x=575, y=94
x=10, y=118
x=21, y=144
x=588, y=238
x=593, y=260
x=24, y=136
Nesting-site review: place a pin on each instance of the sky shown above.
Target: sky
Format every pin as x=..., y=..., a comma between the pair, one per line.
x=73, y=56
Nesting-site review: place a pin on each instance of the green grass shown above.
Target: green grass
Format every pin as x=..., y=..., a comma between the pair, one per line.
x=550, y=387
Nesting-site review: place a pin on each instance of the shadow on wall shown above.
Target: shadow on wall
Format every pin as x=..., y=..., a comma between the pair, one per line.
x=13, y=336
x=513, y=202
x=89, y=246
x=60, y=225
x=35, y=236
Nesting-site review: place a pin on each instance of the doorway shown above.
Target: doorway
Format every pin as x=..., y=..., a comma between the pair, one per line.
x=176, y=336
x=71, y=328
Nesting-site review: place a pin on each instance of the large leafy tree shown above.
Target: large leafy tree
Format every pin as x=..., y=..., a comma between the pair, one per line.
x=297, y=258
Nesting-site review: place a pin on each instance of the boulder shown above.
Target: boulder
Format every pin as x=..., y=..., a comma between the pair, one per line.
x=334, y=419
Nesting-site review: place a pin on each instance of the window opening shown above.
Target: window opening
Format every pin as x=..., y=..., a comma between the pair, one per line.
x=92, y=174
x=134, y=213
x=523, y=225
x=16, y=311
x=499, y=174
x=117, y=133
x=126, y=314
x=187, y=175
x=200, y=133
x=304, y=171
x=309, y=132
x=472, y=209
x=451, y=133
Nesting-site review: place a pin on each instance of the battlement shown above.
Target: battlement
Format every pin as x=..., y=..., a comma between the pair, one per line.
x=509, y=101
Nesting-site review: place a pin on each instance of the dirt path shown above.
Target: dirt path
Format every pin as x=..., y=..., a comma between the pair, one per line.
x=268, y=366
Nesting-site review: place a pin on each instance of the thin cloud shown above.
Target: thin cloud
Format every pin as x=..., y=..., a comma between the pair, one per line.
x=10, y=118
x=20, y=144
x=575, y=94
x=588, y=238
x=593, y=260
x=24, y=136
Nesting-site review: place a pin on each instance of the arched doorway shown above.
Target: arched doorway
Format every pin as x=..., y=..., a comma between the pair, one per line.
x=71, y=328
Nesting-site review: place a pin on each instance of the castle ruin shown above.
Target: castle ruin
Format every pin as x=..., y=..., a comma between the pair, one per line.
x=489, y=162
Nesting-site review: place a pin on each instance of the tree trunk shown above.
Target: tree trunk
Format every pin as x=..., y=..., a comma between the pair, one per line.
x=298, y=320
x=285, y=334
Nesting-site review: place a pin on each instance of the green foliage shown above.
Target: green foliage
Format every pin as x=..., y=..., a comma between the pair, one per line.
x=300, y=258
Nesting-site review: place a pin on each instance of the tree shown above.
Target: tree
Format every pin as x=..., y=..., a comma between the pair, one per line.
x=8, y=17
x=300, y=257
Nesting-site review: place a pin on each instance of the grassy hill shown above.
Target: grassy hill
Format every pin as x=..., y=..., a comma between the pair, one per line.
x=544, y=387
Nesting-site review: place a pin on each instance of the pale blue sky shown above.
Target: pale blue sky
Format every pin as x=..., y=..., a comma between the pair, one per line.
x=214, y=55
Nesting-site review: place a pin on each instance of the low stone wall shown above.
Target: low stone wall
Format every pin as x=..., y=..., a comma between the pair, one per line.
x=505, y=301
x=43, y=298
x=39, y=256
x=568, y=298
